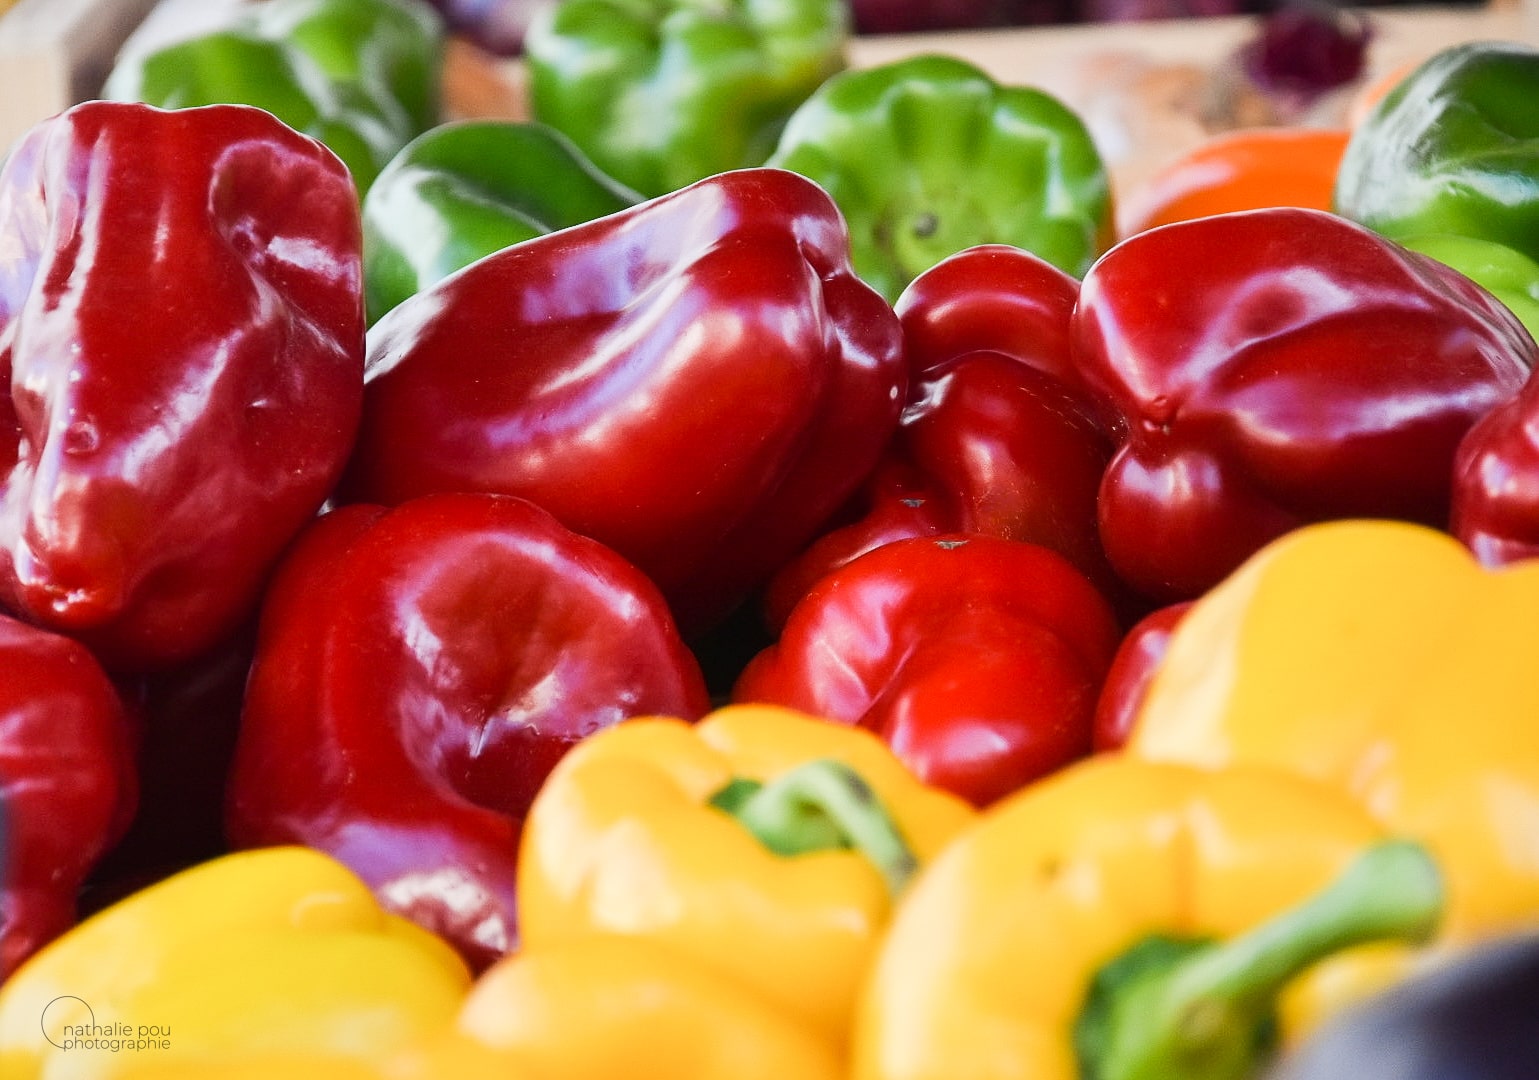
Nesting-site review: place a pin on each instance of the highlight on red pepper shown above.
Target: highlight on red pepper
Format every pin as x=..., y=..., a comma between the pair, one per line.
x=998, y=435
x=419, y=671
x=1315, y=371
x=67, y=782
x=977, y=659
x=181, y=368
x=698, y=382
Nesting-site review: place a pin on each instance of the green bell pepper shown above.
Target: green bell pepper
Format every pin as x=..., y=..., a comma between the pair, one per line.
x=1510, y=275
x=661, y=93
x=362, y=76
x=930, y=155
x=467, y=189
x=1453, y=148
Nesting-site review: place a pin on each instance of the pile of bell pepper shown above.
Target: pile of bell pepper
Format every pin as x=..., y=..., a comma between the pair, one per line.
x=798, y=588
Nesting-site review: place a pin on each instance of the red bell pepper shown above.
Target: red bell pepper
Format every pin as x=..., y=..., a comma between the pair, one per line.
x=1496, y=482
x=998, y=437
x=419, y=671
x=67, y=782
x=977, y=659
x=1137, y=659
x=1273, y=368
x=698, y=382
x=181, y=367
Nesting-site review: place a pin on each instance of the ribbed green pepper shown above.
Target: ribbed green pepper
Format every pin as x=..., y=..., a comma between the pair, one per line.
x=929, y=155
x=467, y=189
x=661, y=93
x=362, y=76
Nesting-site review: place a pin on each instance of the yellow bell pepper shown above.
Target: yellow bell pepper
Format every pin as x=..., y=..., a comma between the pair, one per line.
x=762, y=844
x=594, y=1009
x=602, y=1007
x=1379, y=658
x=447, y=1056
x=269, y=952
x=1122, y=920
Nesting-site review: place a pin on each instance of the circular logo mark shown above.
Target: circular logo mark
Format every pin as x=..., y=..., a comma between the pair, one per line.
x=62, y=1017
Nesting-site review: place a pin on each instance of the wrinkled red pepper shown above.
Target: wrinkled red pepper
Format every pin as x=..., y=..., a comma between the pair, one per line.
x=181, y=368
x=999, y=435
x=67, y=782
x=977, y=659
x=419, y=671
x=698, y=382
x=1278, y=367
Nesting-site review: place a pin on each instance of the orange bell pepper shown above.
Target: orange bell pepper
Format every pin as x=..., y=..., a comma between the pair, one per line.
x=1247, y=169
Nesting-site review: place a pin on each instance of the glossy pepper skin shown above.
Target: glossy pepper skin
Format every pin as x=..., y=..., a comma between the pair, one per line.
x=929, y=155
x=625, y=839
x=1447, y=163
x=1056, y=885
x=1452, y=148
x=760, y=380
x=977, y=659
x=998, y=435
x=181, y=368
x=1132, y=669
x=67, y=782
x=466, y=189
x=1317, y=371
x=1496, y=482
x=361, y=76
x=273, y=951
x=1341, y=652
x=662, y=93
x=418, y=673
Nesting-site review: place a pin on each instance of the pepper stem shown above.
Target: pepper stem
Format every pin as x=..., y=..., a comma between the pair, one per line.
x=823, y=805
x=1206, y=1010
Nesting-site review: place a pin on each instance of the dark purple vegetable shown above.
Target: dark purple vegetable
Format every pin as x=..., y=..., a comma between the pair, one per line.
x=496, y=25
x=1471, y=1020
x=1307, y=49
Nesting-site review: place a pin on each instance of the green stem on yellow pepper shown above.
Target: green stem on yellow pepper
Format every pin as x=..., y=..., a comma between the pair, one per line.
x=1204, y=1010
x=821, y=806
